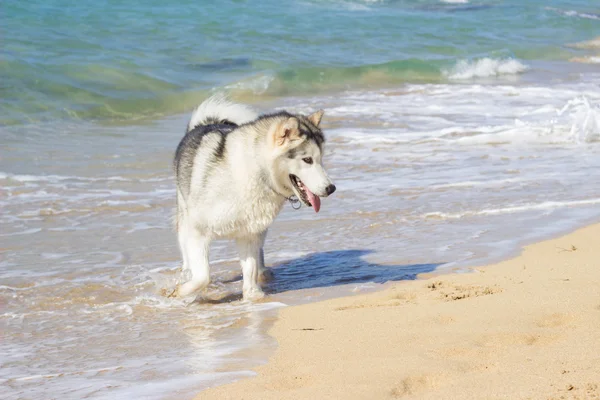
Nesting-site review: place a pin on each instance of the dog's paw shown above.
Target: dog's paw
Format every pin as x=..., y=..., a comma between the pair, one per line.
x=168, y=293
x=190, y=287
x=265, y=275
x=253, y=294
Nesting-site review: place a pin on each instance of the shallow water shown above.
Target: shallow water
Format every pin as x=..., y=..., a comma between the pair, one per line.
x=428, y=175
x=457, y=136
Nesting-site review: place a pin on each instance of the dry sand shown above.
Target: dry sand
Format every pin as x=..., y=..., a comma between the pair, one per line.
x=527, y=328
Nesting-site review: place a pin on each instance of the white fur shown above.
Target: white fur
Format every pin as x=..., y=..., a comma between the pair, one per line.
x=218, y=106
x=239, y=195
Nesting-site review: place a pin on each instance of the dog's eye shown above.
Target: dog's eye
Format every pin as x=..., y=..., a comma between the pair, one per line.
x=307, y=160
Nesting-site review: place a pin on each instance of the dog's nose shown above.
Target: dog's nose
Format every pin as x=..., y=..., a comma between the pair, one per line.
x=330, y=189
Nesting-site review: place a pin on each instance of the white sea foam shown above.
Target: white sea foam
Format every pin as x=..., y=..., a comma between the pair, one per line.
x=475, y=115
x=485, y=68
x=574, y=13
x=577, y=121
x=587, y=44
x=586, y=60
x=59, y=375
x=468, y=184
x=547, y=205
x=59, y=178
x=455, y=1
x=585, y=119
x=54, y=178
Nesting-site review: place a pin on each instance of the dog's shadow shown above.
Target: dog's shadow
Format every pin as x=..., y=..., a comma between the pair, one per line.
x=331, y=268
x=339, y=267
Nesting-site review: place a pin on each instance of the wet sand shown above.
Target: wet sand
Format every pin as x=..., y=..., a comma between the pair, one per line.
x=526, y=328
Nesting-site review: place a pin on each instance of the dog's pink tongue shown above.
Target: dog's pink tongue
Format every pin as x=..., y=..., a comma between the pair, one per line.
x=314, y=200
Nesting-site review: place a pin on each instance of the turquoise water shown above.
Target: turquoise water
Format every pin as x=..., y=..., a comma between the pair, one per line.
x=124, y=61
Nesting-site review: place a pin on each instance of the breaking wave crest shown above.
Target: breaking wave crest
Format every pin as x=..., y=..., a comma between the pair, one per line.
x=485, y=68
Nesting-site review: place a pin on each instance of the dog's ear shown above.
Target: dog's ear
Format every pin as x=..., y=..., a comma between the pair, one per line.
x=287, y=131
x=315, y=117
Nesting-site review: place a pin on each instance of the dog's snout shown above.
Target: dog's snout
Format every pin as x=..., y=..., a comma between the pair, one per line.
x=330, y=189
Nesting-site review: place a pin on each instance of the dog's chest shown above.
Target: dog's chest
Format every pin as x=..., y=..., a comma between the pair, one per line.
x=258, y=214
x=240, y=214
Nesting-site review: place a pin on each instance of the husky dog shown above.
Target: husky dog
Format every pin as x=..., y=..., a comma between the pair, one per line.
x=234, y=171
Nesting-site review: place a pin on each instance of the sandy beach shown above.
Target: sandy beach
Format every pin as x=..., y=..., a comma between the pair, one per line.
x=526, y=328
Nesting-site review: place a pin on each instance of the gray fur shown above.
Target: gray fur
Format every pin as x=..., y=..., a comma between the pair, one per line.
x=234, y=171
x=186, y=151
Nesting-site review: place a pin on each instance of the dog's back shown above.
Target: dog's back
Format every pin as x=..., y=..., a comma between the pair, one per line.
x=215, y=115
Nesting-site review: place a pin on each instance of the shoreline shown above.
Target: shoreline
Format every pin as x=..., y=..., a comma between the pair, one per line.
x=455, y=135
x=430, y=208
x=440, y=339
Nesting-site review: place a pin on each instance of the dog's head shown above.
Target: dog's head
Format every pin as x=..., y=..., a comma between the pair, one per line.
x=297, y=142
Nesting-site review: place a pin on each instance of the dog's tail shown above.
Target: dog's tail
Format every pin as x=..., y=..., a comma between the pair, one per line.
x=218, y=109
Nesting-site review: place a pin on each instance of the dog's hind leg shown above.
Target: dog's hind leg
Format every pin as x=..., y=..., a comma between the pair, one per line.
x=250, y=248
x=182, y=239
x=195, y=247
x=264, y=273
x=181, y=227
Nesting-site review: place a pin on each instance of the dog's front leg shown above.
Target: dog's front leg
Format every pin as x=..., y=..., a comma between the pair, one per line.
x=250, y=249
x=195, y=247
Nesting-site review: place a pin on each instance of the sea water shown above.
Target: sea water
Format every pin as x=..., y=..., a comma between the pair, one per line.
x=457, y=131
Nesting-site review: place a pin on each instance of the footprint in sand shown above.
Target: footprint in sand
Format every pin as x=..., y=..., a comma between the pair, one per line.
x=464, y=292
x=554, y=320
x=412, y=385
x=500, y=340
x=394, y=300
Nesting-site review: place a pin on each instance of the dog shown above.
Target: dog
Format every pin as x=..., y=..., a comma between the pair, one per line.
x=234, y=171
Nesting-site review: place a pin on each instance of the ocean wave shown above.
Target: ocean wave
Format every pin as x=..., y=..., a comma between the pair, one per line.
x=547, y=205
x=157, y=102
x=310, y=80
x=586, y=60
x=585, y=119
x=274, y=82
x=485, y=68
x=350, y=5
x=257, y=85
x=577, y=121
x=449, y=113
x=23, y=178
x=469, y=184
x=587, y=44
x=573, y=13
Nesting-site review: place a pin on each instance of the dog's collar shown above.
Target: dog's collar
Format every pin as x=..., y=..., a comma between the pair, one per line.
x=293, y=199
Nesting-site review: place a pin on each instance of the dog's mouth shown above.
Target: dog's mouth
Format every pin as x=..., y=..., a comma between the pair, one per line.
x=304, y=193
